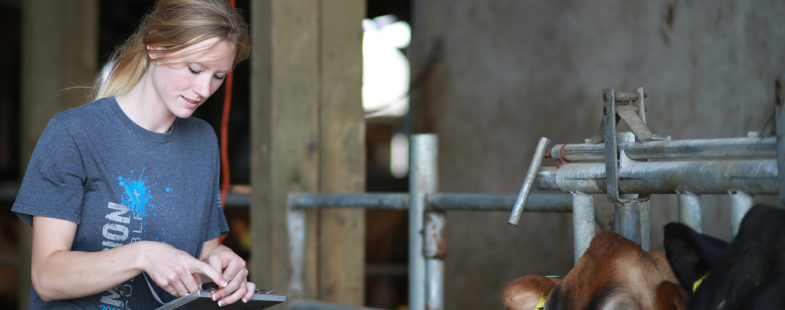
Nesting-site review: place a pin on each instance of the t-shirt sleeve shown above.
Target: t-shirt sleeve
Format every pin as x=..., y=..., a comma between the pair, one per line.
x=53, y=184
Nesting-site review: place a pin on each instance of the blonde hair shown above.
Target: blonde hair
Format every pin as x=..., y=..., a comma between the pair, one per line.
x=172, y=26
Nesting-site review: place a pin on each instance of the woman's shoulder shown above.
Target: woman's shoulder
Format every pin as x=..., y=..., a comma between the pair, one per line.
x=196, y=127
x=85, y=114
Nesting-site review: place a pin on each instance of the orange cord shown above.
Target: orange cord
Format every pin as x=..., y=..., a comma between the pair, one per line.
x=225, y=138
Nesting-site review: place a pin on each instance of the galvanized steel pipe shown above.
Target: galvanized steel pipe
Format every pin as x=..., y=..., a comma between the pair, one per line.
x=422, y=181
x=295, y=224
x=434, y=252
x=384, y=201
x=668, y=177
x=499, y=202
x=531, y=174
x=690, y=210
x=582, y=223
x=627, y=220
x=444, y=201
x=645, y=225
x=727, y=148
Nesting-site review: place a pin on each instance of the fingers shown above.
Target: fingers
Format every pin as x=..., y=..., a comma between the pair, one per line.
x=244, y=292
x=235, y=268
x=180, y=282
x=234, y=291
x=251, y=289
x=227, y=262
x=184, y=280
x=210, y=272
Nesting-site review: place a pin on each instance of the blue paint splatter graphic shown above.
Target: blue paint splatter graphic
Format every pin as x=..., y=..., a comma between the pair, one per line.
x=137, y=195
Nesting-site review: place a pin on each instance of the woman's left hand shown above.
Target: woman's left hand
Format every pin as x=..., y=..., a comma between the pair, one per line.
x=232, y=268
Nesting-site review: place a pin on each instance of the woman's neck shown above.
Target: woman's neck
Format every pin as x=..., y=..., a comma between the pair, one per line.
x=143, y=107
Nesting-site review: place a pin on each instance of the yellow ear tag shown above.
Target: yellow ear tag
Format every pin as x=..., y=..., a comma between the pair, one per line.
x=698, y=282
x=541, y=304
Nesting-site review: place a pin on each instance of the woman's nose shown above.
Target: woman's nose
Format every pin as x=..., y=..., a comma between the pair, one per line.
x=202, y=86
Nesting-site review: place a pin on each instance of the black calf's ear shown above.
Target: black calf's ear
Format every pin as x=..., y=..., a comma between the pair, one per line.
x=690, y=254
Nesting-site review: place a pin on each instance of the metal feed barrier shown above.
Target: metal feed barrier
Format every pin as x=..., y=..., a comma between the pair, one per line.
x=628, y=167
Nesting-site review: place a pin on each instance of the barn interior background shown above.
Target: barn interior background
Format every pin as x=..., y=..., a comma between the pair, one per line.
x=489, y=78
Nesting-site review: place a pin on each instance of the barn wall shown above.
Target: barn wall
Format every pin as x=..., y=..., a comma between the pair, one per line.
x=507, y=72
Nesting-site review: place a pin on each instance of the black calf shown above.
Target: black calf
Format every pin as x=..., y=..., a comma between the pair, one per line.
x=748, y=273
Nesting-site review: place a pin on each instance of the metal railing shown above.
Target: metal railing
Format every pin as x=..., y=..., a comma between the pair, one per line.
x=628, y=167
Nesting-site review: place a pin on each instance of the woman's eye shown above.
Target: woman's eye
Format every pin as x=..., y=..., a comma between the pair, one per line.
x=219, y=77
x=193, y=70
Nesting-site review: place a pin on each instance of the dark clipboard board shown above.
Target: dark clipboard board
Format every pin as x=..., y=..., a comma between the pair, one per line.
x=201, y=301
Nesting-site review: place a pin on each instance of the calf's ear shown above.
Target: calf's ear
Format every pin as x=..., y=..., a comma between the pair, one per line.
x=524, y=293
x=690, y=254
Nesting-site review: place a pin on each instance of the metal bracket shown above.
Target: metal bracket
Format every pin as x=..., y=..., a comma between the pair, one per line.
x=629, y=107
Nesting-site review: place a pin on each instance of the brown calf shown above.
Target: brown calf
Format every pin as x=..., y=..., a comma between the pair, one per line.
x=614, y=273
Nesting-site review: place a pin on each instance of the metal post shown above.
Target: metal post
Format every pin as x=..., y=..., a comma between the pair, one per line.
x=435, y=251
x=690, y=210
x=422, y=181
x=741, y=202
x=628, y=208
x=645, y=225
x=295, y=224
x=628, y=219
x=582, y=222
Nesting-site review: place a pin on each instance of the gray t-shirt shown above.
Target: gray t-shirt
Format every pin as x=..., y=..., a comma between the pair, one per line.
x=121, y=183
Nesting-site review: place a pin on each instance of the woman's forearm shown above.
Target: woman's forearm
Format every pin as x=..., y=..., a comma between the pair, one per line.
x=71, y=274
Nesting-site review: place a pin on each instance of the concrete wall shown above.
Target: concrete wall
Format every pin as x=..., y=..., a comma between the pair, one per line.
x=512, y=71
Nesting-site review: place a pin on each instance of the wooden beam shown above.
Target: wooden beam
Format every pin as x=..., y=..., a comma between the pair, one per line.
x=342, y=155
x=307, y=136
x=284, y=130
x=59, y=61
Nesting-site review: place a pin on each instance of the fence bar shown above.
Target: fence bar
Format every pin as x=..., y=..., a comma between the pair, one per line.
x=690, y=210
x=295, y=224
x=726, y=148
x=699, y=177
x=443, y=201
x=435, y=251
x=582, y=222
x=645, y=225
x=318, y=305
x=364, y=200
x=741, y=202
x=492, y=202
x=627, y=220
x=526, y=188
x=422, y=181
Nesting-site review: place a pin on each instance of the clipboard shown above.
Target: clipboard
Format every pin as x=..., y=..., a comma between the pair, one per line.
x=201, y=300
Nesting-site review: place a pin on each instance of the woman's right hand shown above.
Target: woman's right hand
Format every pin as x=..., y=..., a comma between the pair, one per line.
x=176, y=271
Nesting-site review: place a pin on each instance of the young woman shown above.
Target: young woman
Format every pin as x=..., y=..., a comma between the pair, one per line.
x=123, y=192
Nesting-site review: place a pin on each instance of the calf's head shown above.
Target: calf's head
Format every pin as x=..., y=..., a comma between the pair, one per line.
x=615, y=273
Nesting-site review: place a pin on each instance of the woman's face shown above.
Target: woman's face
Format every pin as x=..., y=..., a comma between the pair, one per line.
x=183, y=80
